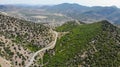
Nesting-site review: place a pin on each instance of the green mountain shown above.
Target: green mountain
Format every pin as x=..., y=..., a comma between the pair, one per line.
x=87, y=45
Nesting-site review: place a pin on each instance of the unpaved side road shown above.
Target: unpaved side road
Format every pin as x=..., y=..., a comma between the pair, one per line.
x=50, y=46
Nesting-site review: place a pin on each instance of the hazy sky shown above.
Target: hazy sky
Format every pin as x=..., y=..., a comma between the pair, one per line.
x=81, y=2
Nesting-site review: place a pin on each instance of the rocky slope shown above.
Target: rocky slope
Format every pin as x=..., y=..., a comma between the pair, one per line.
x=19, y=39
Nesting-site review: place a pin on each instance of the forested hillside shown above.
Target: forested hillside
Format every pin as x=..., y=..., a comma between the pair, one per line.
x=87, y=45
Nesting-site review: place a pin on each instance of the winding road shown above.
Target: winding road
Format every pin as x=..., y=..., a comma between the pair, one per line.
x=50, y=46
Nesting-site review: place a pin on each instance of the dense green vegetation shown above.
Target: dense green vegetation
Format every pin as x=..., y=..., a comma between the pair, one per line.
x=97, y=42
x=68, y=26
x=107, y=46
x=69, y=45
x=32, y=47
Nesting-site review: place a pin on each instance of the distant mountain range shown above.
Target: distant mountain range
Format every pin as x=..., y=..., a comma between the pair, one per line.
x=34, y=14
x=63, y=12
x=84, y=13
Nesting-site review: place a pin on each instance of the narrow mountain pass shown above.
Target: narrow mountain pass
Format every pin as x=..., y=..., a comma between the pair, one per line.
x=42, y=51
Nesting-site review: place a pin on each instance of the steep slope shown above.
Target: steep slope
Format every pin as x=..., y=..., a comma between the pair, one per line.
x=19, y=39
x=88, y=45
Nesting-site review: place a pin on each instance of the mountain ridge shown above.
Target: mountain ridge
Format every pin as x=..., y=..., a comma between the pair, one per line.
x=86, y=45
x=87, y=14
x=64, y=12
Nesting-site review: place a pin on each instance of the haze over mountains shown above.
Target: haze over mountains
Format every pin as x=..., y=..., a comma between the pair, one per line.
x=63, y=12
x=34, y=14
x=84, y=13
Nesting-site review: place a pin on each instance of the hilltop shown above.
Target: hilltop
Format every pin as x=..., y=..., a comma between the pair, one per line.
x=94, y=45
